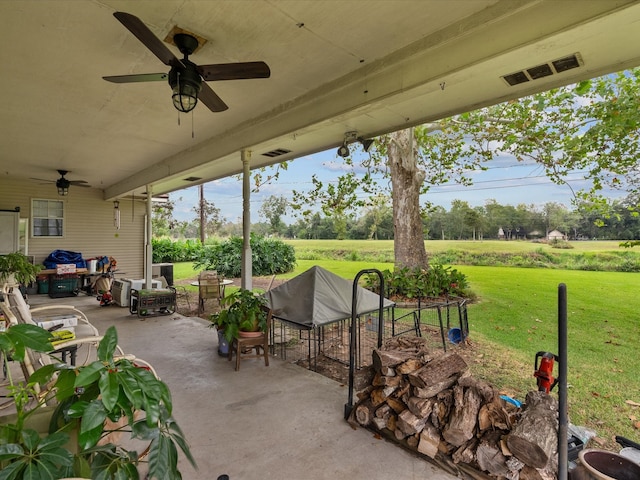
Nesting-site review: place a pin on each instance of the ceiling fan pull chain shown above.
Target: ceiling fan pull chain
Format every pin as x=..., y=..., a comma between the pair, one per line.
x=193, y=135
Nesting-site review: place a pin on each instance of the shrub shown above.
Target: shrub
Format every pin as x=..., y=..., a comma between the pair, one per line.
x=166, y=250
x=269, y=256
x=436, y=281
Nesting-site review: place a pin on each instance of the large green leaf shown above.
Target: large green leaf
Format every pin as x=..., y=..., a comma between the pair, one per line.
x=12, y=471
x=30, y=336
x=109, y=389
x=10, y=450
x=108, y=345
x=89, y=374
x=132, y=390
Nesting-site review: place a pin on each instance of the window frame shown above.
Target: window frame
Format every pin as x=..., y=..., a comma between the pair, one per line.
x=33, y=217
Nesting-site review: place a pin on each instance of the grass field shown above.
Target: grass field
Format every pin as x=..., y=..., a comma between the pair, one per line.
x=515, y=316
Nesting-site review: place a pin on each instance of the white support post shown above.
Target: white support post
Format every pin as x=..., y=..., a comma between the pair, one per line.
x=246, y=282
x=148, y=247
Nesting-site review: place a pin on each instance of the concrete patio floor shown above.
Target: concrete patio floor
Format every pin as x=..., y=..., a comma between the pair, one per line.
x=276, y=422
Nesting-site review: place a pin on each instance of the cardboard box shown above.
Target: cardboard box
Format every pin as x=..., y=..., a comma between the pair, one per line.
x=63, y=268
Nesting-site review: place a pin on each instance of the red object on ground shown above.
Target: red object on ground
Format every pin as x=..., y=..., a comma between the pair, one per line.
x=544, y=371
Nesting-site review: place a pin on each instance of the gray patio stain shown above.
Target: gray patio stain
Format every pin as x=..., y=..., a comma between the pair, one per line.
x=250, y=401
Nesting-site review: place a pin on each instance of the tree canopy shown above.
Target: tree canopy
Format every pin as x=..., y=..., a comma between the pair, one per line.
x=590, y=127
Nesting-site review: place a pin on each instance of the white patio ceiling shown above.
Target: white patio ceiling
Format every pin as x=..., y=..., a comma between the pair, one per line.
x=371, y=66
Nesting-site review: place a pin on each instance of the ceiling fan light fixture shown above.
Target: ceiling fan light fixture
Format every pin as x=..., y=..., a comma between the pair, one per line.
x=63, y=186
x=186, y=86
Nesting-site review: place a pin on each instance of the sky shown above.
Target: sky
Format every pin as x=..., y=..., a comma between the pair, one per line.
x=507, y=181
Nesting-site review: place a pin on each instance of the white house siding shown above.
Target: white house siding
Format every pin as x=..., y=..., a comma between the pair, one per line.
x=88, y=226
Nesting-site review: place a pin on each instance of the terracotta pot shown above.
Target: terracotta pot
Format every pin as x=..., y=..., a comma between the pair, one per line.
x=249, y=334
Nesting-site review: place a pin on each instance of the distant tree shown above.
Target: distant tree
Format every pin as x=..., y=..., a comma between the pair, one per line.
x=210, y=215
x=338, y=201
x=162, y=221
x=273, y=208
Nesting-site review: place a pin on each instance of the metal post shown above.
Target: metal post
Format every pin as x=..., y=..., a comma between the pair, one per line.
x=352, y=337
x=563, y=453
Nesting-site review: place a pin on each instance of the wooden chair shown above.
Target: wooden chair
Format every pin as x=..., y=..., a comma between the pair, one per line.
x=244, y=346
x=209, y=288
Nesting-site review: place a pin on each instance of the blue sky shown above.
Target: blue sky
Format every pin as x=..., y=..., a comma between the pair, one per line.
x=507, y=181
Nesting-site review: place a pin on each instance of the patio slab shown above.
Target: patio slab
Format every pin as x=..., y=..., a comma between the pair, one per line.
x=276, y=422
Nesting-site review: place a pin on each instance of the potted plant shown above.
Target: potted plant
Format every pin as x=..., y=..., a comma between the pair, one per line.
x=15, y=269
x=245, y=313
x=110, y=395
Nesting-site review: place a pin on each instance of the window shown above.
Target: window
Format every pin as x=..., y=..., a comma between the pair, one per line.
x=47, y=218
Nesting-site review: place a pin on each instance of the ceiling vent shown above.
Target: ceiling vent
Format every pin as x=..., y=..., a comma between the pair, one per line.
x=277, y=152
x=544, y=70
x=192, y=179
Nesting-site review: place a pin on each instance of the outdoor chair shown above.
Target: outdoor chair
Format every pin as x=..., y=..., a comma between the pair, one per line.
x=209, y=288
x=16, y=311
x=244, y=346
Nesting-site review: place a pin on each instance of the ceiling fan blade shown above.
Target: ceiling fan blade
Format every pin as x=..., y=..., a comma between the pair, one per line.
x=42, y=180
x=141, y=77
x=146, y=36
x=234, y=71
x=79, y=183
x=211, y=99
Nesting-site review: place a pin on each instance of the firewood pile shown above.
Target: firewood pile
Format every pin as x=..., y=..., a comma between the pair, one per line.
x=430, y=404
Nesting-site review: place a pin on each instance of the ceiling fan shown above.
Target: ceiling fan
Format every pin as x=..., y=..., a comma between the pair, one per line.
x=185, y=77
x=63, y=184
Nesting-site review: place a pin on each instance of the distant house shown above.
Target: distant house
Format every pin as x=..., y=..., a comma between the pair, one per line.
x=556, y=235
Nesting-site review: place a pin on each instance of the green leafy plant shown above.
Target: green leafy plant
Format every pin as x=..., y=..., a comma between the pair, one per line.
x=112, y=394
x=18, y=265
x=414, y=283
x=245, y=312
x=269, y=256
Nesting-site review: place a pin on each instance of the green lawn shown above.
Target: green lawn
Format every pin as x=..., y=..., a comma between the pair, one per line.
x=515, y=316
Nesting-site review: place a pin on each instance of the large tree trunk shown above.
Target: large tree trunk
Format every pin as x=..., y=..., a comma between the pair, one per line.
x=406, y=180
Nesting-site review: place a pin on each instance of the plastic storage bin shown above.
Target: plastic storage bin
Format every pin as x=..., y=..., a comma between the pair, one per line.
x=64, y=285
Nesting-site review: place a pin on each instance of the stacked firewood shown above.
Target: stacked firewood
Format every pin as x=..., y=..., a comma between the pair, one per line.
x=430, y=404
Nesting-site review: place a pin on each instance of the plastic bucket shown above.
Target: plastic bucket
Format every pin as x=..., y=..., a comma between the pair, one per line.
x=223, y=345
x=605, y=465
x=455, y=335
x=92, y=266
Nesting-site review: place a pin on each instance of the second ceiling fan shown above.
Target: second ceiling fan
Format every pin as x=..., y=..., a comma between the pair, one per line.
x=185, y=77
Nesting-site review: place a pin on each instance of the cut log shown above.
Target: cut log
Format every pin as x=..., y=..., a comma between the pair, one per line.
x=364, y=413
x=389, y=358
x=534, y=438
x=391, y=422
x=493, y=416
x=411, y=365
x=412, y=441
x=383, y=411
x=429, y=441
x=381, y=394
x=484, y=389
x=441, y=409
x=420, y=407
x=490, y=457
x=463, y=420
x=409, y=423
x=379, y=423
x=397, y=405
x=465, y=453
x=433, y=390
x=386, y=380
x=438, y=370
